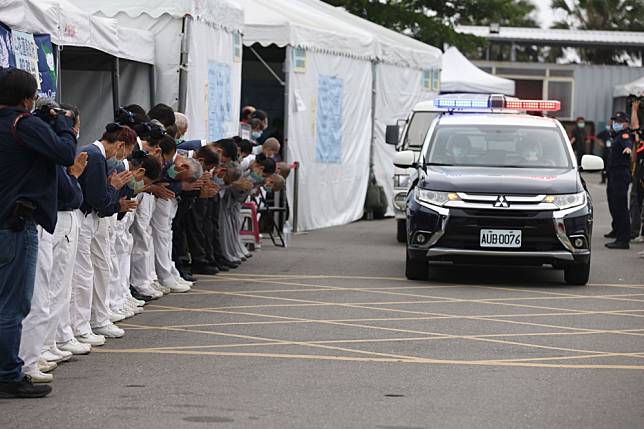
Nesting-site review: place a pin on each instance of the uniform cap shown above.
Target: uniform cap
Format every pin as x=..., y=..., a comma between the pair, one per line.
x=620, y=117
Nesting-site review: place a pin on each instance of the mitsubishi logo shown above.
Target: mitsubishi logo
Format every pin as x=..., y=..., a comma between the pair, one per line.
x=502, y=202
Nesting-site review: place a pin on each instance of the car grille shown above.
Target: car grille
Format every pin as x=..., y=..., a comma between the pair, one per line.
x=464, y=226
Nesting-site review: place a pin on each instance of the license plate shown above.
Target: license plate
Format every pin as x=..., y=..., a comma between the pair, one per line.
x=501, y=238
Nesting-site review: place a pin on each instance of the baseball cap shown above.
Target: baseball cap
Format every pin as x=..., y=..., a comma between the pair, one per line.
x=620, y=117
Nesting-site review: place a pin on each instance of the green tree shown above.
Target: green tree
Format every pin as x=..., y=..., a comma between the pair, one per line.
x=433, y=21
x=607, y=15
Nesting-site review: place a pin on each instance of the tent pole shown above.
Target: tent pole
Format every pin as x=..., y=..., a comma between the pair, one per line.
x=287, y=113
x=374, y=75
x=183, y=67
x=59, y=79
x=265, y=64
x=151, y=78
x=116, y=74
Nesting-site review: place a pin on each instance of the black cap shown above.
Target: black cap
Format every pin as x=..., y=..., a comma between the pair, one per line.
x=620, y=117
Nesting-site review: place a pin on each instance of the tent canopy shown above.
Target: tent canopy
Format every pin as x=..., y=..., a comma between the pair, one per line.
x=221, y=13
x=295, y=23
x=460, y=75
x=70, y=26
x=391, y=47
x=624, y=90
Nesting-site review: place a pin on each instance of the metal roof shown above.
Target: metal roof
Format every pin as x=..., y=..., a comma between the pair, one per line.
x=549, y=37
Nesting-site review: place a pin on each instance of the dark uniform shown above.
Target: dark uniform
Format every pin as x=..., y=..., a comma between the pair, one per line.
x=619, y=178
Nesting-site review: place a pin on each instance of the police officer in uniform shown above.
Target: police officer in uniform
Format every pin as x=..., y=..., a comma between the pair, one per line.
x=619, y=178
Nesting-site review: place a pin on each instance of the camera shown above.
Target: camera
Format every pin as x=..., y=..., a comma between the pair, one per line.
x=49, y=113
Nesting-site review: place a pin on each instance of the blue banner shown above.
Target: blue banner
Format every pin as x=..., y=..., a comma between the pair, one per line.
x=328, y=148
x=7, y=58
x=219, y=99
x=46, y=66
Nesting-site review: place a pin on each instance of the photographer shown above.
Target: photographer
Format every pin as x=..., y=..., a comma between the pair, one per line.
x=30, y=151
x=637, y=187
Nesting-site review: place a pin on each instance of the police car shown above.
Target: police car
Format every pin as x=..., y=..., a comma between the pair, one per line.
x=494, y=185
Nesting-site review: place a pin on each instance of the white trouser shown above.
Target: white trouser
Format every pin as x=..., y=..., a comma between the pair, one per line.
x=142, y=249
x=51, y=289
x=91, y=275
x=115, y=274
x=63, y=329
x=164, y=213
x=120, y=284
x=34, y=326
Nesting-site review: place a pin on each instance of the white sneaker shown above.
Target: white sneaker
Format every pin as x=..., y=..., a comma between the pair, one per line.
x=62, y=353
x=641, y=254
x=179, y=288
x=92, y=339
x=52, y=357
x=40, y=377
x=161, y=288
x=109, y=331
x=74, y=347
x=638, y=240
x=149, y=291
x=44, y=366
x=182, y=281
x=133, y=308
x=136, y=302
x=115, y=316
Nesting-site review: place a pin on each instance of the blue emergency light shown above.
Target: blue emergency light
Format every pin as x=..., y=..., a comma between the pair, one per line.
x=497, y=102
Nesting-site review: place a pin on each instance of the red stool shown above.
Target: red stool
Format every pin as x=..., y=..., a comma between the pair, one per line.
x=250, y=225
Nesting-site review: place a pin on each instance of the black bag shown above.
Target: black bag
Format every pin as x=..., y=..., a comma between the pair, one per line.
x=376, y=202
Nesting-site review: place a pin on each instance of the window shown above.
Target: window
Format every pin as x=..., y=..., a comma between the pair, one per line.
x=427, y=80
x=417, y=129
x=299, y=60
x=498, y=146
x=562, y=91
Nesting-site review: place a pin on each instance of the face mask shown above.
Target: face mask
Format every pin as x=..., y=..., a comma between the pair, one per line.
x=218, y=181
x=256, y=177
x=135, y=185
x=112, y=163
x=77, y=135
x=581, y=124
x=618, y=126
x=172, y=172
x=256, y=134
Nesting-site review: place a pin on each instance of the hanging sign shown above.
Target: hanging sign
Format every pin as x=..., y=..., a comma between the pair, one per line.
x=25, y=53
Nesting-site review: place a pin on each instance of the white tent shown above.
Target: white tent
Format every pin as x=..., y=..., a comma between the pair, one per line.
x=329, y=83
x=208, y=33
x=70, y=26
x=624, y=90
x=460, y=75
x=404, y=71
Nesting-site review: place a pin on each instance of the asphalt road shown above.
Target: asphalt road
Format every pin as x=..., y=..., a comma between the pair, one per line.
x=328, y=334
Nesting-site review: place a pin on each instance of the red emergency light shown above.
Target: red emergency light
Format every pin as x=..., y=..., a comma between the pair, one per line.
x=533, y=105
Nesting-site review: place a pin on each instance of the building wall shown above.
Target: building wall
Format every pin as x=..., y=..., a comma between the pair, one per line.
x=592, y=86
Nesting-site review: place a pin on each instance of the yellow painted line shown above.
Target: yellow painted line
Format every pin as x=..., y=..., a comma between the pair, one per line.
x=375, y=359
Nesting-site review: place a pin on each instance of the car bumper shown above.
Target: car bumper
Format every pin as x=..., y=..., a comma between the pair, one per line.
x=452, y=235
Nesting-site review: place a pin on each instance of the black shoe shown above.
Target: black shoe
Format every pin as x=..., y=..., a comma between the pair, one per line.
x=610, y=235
x=229, y=264
x=188, y=276
x=136, y=295
x=23, y=389
x=204, y=269
x=618, y=245
x=222, y=268
x=250, y=255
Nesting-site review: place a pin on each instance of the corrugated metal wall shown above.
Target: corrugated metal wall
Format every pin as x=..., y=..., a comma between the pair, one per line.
x=594, y=89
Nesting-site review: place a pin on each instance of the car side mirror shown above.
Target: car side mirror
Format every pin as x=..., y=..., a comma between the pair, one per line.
x=592, y=163
x=405, y=159
x=392, y=135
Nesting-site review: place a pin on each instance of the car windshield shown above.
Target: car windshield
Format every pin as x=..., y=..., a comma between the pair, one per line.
x=498, y=146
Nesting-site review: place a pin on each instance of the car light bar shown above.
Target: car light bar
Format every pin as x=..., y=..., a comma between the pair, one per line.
x=533, y=105
x=461, y=103
x=498, y=102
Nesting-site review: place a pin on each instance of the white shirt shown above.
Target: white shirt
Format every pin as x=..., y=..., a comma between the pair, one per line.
x=246, y=162
x=100, y=146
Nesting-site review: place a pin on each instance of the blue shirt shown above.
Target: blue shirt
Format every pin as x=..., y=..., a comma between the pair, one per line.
x=70, y=194
x=99, y=195
x=28, y=168
x=190, y=145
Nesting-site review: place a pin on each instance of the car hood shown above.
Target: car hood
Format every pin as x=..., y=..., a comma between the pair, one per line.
x=488, y=180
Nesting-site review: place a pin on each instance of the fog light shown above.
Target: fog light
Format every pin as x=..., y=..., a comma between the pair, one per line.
x=421, y=238
x=579, y=243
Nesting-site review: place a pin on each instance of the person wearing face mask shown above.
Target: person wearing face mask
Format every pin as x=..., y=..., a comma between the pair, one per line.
x=30, y=151
x=89, y=307
x=619, y=178
x=578, y=139
x=605, y=140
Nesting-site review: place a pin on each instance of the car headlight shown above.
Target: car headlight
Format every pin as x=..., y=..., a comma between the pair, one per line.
x=401, y=181
x=437, y=198
x=566, y=201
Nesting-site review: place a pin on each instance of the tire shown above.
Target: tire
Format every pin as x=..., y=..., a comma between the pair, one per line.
x=401, y=231
x=577, y=274
x=417, y=269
